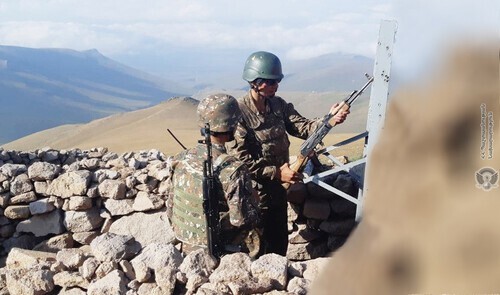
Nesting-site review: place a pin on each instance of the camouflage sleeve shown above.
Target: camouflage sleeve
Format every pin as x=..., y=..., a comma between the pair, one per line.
x=242, y=150
x=241, y=198
x=296, y=124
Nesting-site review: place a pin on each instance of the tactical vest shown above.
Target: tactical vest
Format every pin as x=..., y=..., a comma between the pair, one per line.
x=188, y=219
x=267, y=135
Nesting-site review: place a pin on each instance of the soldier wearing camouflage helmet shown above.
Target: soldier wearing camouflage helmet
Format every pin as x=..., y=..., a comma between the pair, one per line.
x=238, y=203
x=261, y=142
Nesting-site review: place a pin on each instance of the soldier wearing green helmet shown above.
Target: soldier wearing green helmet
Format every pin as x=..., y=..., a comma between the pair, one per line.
x=238, y=202
x=261, y=142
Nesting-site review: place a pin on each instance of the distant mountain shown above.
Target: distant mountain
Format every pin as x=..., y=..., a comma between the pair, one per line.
x=44, y=88
x=330, y=72
x=338, y=72
x=146, y=128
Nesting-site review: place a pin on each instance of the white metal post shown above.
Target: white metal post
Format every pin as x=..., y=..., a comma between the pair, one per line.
x=378, y=96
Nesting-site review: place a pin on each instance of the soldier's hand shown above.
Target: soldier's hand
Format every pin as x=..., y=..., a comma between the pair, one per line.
x=288, y=175
x=341, y=115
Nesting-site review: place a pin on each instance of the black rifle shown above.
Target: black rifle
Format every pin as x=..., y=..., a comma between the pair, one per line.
x=317, y=136
x=210, y=199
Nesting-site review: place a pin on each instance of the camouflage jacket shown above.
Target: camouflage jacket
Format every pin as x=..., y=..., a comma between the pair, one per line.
x=261, y=140
x=237, y=200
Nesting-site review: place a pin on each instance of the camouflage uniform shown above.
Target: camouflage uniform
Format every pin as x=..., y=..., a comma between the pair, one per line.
x=237, y=200
x=261, y=142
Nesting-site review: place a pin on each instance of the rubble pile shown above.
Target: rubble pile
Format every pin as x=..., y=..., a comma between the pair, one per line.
x=94, y=222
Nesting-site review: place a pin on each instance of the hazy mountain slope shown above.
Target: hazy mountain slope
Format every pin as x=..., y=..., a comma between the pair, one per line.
x=43, y=88
x=330, y=72
x=136, y=130
x=147, y=128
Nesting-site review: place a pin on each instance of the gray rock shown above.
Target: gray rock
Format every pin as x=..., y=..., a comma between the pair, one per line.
x=88, y=268
x=69, y=279
x=271, y=266
x=73, y=183
x=24, y=281
x=55, y=244
x=119, y=207
x=21, y=184
x=23, y=198
x=157, y=256
x=41, y=171
x=41, y=206
x=304, y=234
x=114, y=247
x=72, y=258
x=198, y=262
x=233, y=268
x=77, y=203
x=17, y=212
x=113, y=283
x=105, y=268
x=42, y=224
x=146, y=228
x=112, y=189
x=23, y=258
x=82, y=221
x=298, y=286
x=12, y=170
x=4, y=199
x=145, y=202
x=86, y=237
x=72, y=291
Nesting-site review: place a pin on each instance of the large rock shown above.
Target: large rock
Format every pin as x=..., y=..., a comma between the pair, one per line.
x=119, y=207
x=113, y=283
x=41, y=206
x=17, y=212
x=233, y=268
x=112, y=189
x=73, y=183
x=82, y=221
x=32, y=281
x=40, y=171
x=42, y=224
x=21, y=184
x=157, y=256
x=146, y=228
x=22, y=258
x=114, y=247
x=271, y=266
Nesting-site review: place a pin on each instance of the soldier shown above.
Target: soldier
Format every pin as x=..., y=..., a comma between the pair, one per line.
x=238, y=202
x=261, y=142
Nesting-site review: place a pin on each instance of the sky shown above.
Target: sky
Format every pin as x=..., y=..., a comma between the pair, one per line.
x=158, y=35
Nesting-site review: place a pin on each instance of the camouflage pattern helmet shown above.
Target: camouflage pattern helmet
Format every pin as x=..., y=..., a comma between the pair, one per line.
x=220, y=110
x=264, y=65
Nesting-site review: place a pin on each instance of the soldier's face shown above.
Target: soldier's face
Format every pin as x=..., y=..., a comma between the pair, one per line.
x=267, y=87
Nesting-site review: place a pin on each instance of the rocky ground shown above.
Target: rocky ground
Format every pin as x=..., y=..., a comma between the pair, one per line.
x=93, y=221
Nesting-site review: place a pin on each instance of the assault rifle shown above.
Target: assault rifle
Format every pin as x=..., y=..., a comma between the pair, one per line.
x=210, y=199
x=308, y=146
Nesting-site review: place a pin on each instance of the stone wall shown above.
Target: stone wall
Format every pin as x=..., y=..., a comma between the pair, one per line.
x=96, y=220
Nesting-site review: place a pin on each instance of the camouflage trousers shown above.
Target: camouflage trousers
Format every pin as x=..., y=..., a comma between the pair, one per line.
x=274, y=225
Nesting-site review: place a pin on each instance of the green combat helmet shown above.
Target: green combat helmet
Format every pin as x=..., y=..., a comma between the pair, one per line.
x=264, y=65
x=220, y=110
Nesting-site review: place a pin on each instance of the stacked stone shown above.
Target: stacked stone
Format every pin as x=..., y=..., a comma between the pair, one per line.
x=48, y=192
x=111, y=265
x=97, y=224
x=320, y=221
